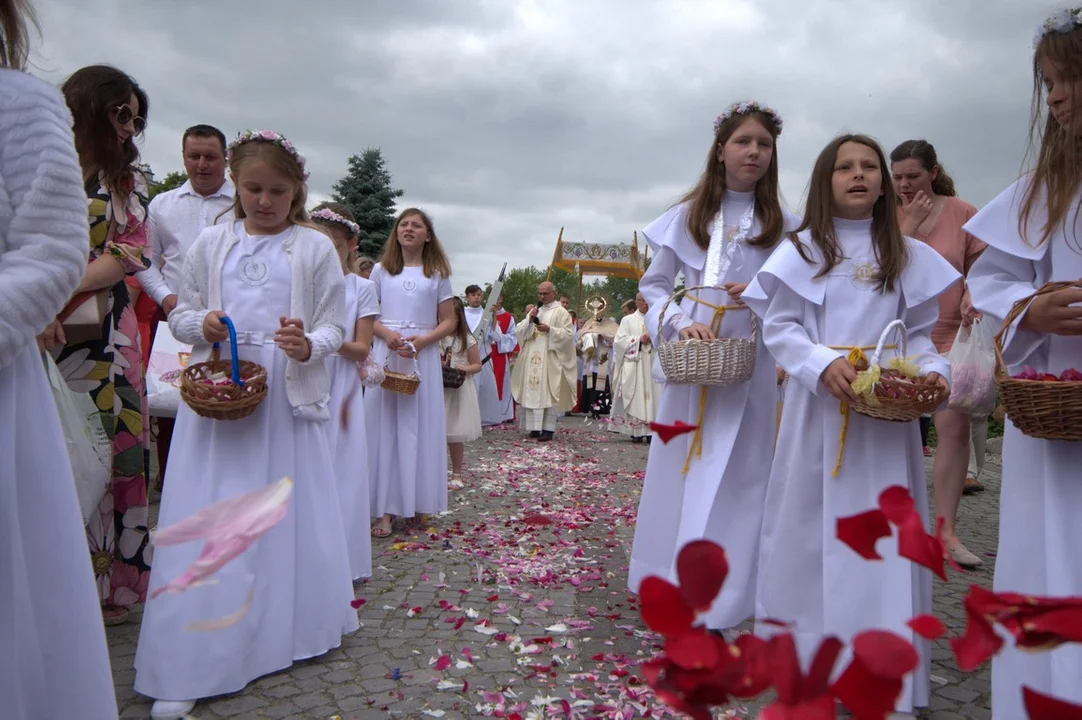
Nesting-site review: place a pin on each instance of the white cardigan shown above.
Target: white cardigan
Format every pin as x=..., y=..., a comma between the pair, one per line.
x=317, y=296
x=44, y=232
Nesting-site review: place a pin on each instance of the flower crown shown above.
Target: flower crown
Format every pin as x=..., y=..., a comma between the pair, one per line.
x=1064, y=21
x=744, y=108
x=331, y=216
x=267, y=136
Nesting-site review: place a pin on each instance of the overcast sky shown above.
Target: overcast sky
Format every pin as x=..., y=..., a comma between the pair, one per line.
x=507, y=119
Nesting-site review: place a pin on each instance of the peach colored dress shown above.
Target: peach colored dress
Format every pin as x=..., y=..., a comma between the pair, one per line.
x=960, y=249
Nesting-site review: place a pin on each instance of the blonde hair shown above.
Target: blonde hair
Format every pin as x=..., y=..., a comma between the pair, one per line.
x=1058, y=171
x=281, y=161
x=433, y=258
x=350, y=263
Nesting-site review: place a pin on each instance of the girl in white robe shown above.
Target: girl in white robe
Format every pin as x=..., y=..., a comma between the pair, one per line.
x=829, y=291
x=716, y=492
x=280, y=282
x=348, y=438
x=407, y=434
x=52, y=641
x=1041, y=498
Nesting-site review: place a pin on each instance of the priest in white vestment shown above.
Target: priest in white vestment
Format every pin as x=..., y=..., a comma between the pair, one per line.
x=543, y=379
x=635, y=394
x=488, y=395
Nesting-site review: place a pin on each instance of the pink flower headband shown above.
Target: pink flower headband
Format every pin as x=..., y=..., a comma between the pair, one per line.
x=744, y=108
x=1062, y=22
x=331, y=216
x=267, y=136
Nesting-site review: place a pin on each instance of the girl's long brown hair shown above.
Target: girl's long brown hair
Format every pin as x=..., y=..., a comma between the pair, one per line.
x=891, y=253
x=1058, y=172
x=705, y=198
x=92, y=93
x=16, y=17
x=283, y=162
x=434, y=259
x=462, y=330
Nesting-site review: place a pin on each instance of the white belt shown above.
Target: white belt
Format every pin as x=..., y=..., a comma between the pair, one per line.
x=254, y=337
x=406, y=325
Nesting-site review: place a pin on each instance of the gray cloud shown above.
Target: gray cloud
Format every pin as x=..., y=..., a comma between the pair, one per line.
x=508, y=120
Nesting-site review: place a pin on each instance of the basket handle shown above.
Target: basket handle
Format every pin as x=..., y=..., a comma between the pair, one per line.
x=1016, y=311
x=894, y=325
x=683, y=291
x=416, y=365
x=215, y=350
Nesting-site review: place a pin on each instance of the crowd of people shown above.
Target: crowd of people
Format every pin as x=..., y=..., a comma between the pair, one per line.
x=374, y=367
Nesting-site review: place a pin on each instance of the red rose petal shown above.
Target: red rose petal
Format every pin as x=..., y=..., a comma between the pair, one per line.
x=357, y=603
x=822, y=667
x=885, y=654
x=821, y=708
x=442, y=663
x=928, y=626
x=897, y=504
x=915, y=544
x=784, y=668
x=866, y=694
x=663, y=608
x=1043, y=707
x=667, y=432
x=755, y=676
x=535, y=519
x=693, y=650
x=701, y=568
x=980, y=641
x=861, y=532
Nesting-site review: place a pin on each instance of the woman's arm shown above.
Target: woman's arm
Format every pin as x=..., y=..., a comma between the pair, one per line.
x=104, y=272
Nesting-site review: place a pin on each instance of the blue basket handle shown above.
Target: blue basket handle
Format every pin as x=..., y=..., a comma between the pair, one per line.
x=233, y=350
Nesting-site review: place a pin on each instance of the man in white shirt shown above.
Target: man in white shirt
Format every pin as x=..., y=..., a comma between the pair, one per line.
x=175, y=218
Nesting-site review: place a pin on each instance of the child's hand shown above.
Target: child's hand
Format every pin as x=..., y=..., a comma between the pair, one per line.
x=838, y=380
x=395, y=343
x=781, y=374
x=697, y=331
x=735, y=290
x=1053, y=313
x=935, y=378
x=290, y=337
x=214, y=330
x=408, y=349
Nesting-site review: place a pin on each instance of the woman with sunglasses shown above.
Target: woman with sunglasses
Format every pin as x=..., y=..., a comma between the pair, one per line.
x=110, y=111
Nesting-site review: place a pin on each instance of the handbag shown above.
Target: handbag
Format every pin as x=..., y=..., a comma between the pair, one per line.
x=83, y=318
x=452, y=377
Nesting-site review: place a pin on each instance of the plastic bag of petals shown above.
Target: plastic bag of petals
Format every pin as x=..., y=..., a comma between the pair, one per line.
x=973, y=370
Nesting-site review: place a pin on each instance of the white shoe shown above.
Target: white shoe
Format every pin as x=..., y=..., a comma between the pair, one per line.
x=961, y=555
x=171, y=709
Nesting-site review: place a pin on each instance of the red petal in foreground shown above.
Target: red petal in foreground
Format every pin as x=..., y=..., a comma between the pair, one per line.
x=980, y=641
x=821, y=708
x=822, y=667
x=357, y=603
x=897, y=504
x=870, y=686
x=696, y=650
x=1043, y=707
x=701, y=568
x=915, y=544
x=928, y=626
x=668, y=432
x=885, y=654
x=861, y=532
x=662, y=607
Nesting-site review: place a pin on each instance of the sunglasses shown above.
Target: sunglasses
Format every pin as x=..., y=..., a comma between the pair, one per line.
x=125, y=115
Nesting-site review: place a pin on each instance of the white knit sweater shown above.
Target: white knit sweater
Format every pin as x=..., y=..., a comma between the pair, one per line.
x=44, y=233
x=317, y=296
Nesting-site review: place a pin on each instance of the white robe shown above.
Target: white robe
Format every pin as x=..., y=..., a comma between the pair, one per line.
x=488, y=397
x=505, y=344
x=635, y=395
x=1041, y=498
x=806, y=575
x=298, y=573
x=721, y=496
x=349, y=445
x=407, y=434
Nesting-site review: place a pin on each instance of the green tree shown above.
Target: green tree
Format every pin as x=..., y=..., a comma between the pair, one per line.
x=366, y=190
x=170, y=182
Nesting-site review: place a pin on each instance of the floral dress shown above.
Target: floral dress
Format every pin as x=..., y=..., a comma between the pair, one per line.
x=111, y=370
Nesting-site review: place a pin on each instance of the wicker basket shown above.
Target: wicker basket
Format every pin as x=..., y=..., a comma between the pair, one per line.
x=1042, y=409
x=402, y=383
x=722, y=361
x=233, y=401
x=899, y=398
